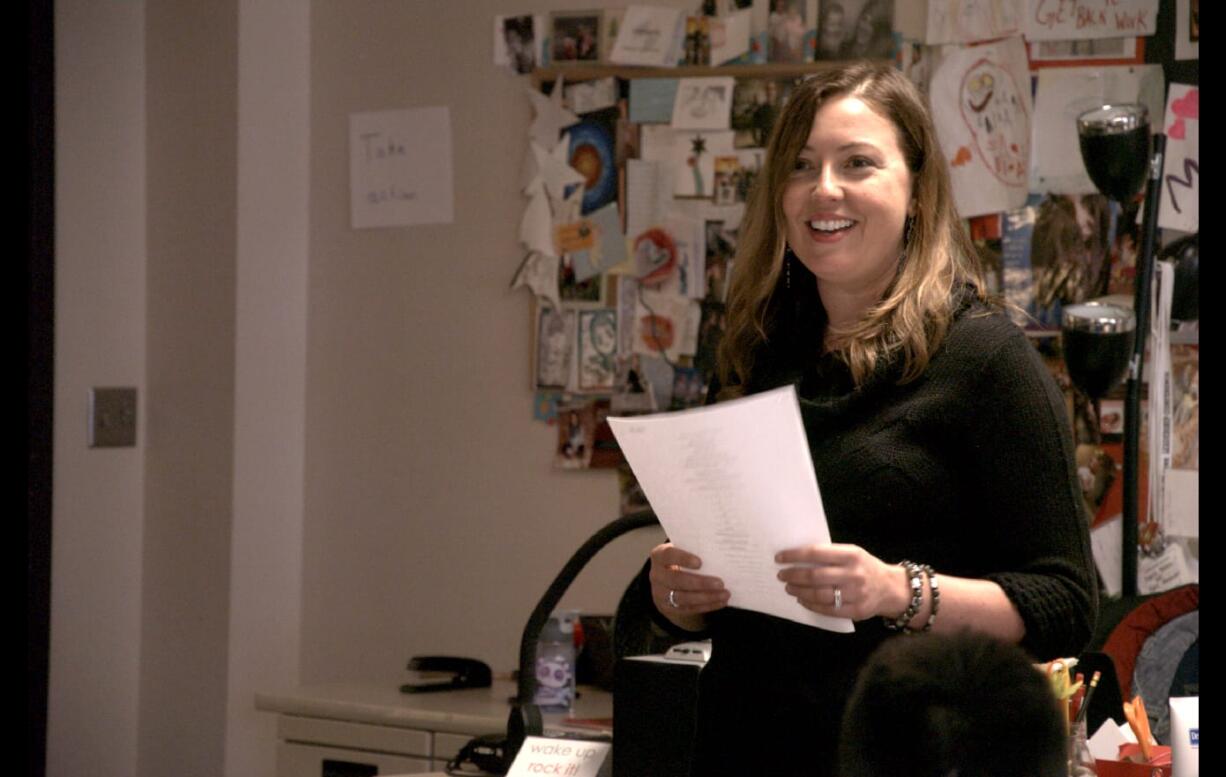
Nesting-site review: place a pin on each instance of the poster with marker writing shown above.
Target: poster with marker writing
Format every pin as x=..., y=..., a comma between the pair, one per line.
x=400, y=168
x=1180, y=208
x=981, y=106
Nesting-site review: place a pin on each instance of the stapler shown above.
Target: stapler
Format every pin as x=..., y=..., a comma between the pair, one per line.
x=447, y=673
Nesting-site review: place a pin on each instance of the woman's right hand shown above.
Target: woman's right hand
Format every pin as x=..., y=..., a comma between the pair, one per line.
x=680, y=595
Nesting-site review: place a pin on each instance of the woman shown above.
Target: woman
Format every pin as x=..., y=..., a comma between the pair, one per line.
x=938, y=438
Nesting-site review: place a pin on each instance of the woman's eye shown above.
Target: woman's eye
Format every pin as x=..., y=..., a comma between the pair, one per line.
x=860, y=162
x=803, y=164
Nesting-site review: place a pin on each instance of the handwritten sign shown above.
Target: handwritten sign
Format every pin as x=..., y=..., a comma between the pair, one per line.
x=400, y=168
x=562, y=757
x=1081, y=19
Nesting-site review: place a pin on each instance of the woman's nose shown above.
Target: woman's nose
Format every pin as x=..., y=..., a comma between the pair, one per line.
x=827, y=185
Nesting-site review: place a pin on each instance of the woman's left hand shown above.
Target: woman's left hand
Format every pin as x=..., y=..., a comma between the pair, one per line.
x=844, y=581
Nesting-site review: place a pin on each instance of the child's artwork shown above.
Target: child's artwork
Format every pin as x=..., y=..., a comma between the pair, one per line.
x=666, y=325
x=592, y=155
x=691, y=155
x=981, y=105
x=1180, y=208
x=969, y=21
x=597, y=349
x=703, y=103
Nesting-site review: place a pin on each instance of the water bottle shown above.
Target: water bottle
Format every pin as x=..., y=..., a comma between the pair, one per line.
x=555, y=663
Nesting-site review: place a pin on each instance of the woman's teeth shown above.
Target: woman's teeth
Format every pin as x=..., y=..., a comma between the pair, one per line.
x=831, y=226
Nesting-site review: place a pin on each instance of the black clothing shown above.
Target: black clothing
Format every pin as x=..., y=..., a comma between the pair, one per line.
x=969, y=468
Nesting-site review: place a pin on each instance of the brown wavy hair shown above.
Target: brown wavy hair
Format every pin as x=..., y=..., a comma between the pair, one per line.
x=913, y=315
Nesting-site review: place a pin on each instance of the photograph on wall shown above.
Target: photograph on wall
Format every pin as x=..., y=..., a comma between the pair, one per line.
x=519, y=37
x=855, y=29
x=575, y=36
x=720, y=248
x=689, y=388
x=632, y=499
x=606, y=453
x=554, y=348
x=1056, y=251
x=1185, y=406
x=755, y=104
x=597, y=349
x=787, y=28
x=571, y=289
x=576, y=431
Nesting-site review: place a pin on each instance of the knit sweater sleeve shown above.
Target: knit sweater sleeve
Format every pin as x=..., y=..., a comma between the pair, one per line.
x=1020, y=453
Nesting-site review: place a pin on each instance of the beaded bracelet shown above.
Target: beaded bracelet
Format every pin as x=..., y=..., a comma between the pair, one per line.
x=915, y=572
x=936, y=596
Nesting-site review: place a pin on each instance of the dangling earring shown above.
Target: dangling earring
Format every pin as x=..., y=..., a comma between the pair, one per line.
x=787, y=267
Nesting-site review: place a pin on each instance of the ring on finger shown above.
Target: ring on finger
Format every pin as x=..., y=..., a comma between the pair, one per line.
x=838, y=598
x=672, y=599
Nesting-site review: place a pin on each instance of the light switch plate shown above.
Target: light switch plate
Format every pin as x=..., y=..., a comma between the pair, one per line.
x=112, y=417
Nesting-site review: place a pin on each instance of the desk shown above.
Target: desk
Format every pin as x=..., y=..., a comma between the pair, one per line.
x=357, y=727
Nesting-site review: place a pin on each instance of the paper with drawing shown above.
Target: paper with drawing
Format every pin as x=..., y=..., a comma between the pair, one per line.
x=734, y=483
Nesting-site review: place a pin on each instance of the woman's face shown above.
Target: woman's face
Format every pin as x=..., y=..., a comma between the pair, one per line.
x=848, y=197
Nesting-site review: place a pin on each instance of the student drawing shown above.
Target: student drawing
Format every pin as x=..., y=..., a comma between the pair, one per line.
x=991, y=106
x=597, y=349
x=553, y=348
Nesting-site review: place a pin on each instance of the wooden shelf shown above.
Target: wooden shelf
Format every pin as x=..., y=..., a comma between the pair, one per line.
x=583, y=72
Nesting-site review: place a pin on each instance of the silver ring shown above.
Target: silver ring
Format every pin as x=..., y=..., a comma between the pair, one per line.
x=672, y=599
x=838, y=598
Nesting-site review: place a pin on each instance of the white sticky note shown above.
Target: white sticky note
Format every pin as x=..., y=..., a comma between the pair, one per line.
x=400, y=168
x=1107, y=542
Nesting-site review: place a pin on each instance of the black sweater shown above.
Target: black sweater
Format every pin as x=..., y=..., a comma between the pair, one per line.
x=970, y=469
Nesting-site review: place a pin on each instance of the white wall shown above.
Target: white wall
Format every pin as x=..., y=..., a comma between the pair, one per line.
x=337, y=465
x=98, y=501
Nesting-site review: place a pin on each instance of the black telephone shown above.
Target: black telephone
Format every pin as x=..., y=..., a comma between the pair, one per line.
x=446, y=673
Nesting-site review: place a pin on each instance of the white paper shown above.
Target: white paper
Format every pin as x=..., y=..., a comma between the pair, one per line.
x=570, y=757
x=1180, y=205
x=536, y=225
x=1167, y=571
x=953, y=21
x=648, y=36
x=1182, y=503
x=1063, y=94
x=1105, y=744
x=733, y=483
x=591, y=96
x=539, y=273
x=1107, y=543
x=703, y=103
x=981, y=105
x=691, y=154
x=730, y=36
x=551, y=115
x=648, y=195
x=400, y=168
x=1185, y=46
x=1082, y=19
x=1159, y=415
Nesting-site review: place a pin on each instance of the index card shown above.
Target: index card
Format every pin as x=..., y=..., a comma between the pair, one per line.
x=400, y=168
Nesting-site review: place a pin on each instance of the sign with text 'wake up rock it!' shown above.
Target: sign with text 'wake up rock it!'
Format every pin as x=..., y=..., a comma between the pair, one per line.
x=561, y=758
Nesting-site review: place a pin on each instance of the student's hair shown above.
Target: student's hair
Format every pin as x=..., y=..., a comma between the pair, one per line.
x=913, y=315
x=966, y=704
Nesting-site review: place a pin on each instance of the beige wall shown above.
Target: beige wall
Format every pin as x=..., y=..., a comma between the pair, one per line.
x=337, y=465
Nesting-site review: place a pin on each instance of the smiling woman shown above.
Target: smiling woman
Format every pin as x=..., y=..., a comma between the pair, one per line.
x=923, y=407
